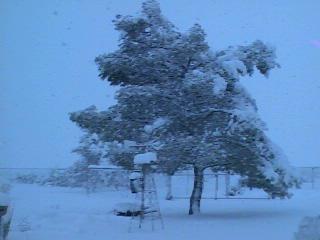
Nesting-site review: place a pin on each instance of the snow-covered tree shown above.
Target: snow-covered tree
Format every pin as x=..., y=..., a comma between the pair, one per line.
x=184, y=101
x=81, y=173
x=89, y=149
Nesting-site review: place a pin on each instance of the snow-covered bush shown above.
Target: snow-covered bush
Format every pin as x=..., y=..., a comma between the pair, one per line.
x=80, y=175
x=30, y=178
x=309, y=229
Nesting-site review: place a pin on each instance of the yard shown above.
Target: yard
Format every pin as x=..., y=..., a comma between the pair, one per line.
x=63, y=213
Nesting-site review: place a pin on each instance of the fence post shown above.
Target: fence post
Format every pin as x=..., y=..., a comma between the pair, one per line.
x=312, y=177
x=187, y=185
x=216, y=186
x=227, y=182
x=88, y=171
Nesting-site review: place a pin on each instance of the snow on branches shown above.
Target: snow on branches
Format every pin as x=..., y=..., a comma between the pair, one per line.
x=185, y=102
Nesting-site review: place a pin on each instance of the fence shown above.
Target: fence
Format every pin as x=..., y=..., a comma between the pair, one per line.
x=14, y=173
x=90, y=179
x=228, y=186
x=310, y=176
x=216, y=186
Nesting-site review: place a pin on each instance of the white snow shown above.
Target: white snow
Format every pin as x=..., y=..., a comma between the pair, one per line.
x=49, y=213
x=155, y=125
x=103, y=166
x=134, y=175
x=230, y=63
x=220, y=85
x=129, y=144
x=144, y=158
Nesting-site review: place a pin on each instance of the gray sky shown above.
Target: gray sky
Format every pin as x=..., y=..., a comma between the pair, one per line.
x=47, y=70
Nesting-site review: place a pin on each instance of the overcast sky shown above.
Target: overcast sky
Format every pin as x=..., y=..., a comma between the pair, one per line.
x=47, y=69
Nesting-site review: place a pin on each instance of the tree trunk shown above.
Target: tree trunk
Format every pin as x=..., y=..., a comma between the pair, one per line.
x=169, y=187
x=197, y=191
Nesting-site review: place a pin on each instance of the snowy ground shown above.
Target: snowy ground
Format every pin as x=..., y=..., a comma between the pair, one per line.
x=47, y=213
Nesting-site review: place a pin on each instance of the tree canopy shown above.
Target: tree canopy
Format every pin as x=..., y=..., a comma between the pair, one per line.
x=181, y=99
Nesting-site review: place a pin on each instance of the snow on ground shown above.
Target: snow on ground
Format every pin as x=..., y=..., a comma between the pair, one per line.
x=47, y=213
